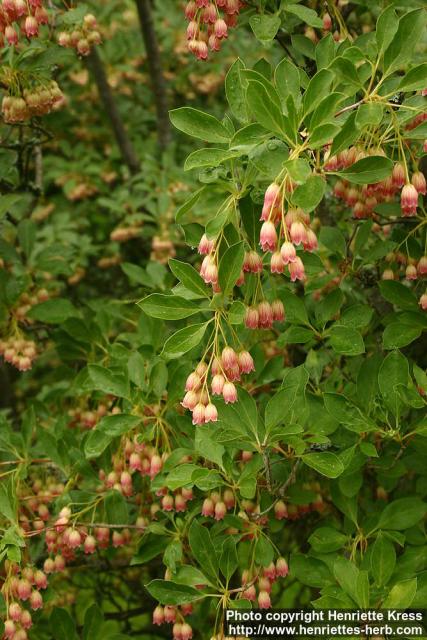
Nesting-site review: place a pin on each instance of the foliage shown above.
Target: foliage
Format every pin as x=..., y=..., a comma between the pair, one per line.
x=244, y=425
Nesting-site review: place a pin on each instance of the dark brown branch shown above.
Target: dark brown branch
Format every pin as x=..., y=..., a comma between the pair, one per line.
x=156, y=73
x=96, y=67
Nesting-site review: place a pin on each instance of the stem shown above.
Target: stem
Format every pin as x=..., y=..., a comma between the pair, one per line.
x=155, y=67
x=96, y=67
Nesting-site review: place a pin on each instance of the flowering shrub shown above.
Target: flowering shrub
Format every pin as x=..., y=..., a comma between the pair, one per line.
x=228, y=411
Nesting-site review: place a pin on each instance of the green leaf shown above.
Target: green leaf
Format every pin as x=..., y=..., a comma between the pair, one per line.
x=387, y=25
x=348, y=135
x=326, y=110
x=281, y=404
x=264, y=551
x=325, y=51
x=102, y=379
x=294, y=308
x=325, y=463
x=322, y=134
x=6, y=505
x=93, y=622
x=171, y=593
x=398, y=294
x=173, y=555
x=399, y=334
x=346, y=341
x=407, y=37
x=184, y=340
x=188, y=204
x=415, y=79
x=235, y=91
x=7, y=201
x=55, y=311
x=151, y=546
x=230, y=267
x=199, y=125
x=401, y=595
x=394, y=371
x=338, y=406
x=318, y=87
x=298, y=169
x=208, y=158
x=116, y=509
x=287, y=79
x=118, y=425
x=346, y=71
x=265, y=26
x=368, y=170
x=203, y=550
x=383, y=560
x=181, y=476
x=333, y=239
x=402, y=514
x=326, y=540
x=309, y=571
x=207, y=447
x=329, y=307
x=62, y=625
x=310, y=194
x=369, y=114
x=189, y=277
x=304, y=45
x=228, y=562
x=95, y=444
x=347, y=576
x=305, y=14
x=27, y=235
x=168, y=307
x=264, y=108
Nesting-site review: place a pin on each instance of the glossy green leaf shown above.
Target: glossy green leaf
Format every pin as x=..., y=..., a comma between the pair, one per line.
x=199, y=125
x=184, y=340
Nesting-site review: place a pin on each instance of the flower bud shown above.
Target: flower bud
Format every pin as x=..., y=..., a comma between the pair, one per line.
x=409, y=200
x=36, y=600
x=278, y=310
x=419, y=182
x=252, y=318
x=220, y=511
x=208, y=508
x=199, y=414
x=211, y=413
x=264, y=601
x=296, y=270
x=229, y=393
x=268, y=236
x=282, y=569
x=158, y=616
x=246, y=363
x=217, y=385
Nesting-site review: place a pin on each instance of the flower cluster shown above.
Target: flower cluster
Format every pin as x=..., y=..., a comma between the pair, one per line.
x=83, y=37
x=217, y=505
x=257, y=583
x=35, y=101
x=19, y=352
x=209, y=21
x=284, y=230
x=181, y=630
x=363, y=200
x=224, y=370
x=21, y=18
x=262, y=315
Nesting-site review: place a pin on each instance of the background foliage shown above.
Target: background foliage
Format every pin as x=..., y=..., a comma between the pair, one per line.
x=314, y=456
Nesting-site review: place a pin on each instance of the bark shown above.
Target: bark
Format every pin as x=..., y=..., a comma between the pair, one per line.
x=154, y=62
x=127, y=151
